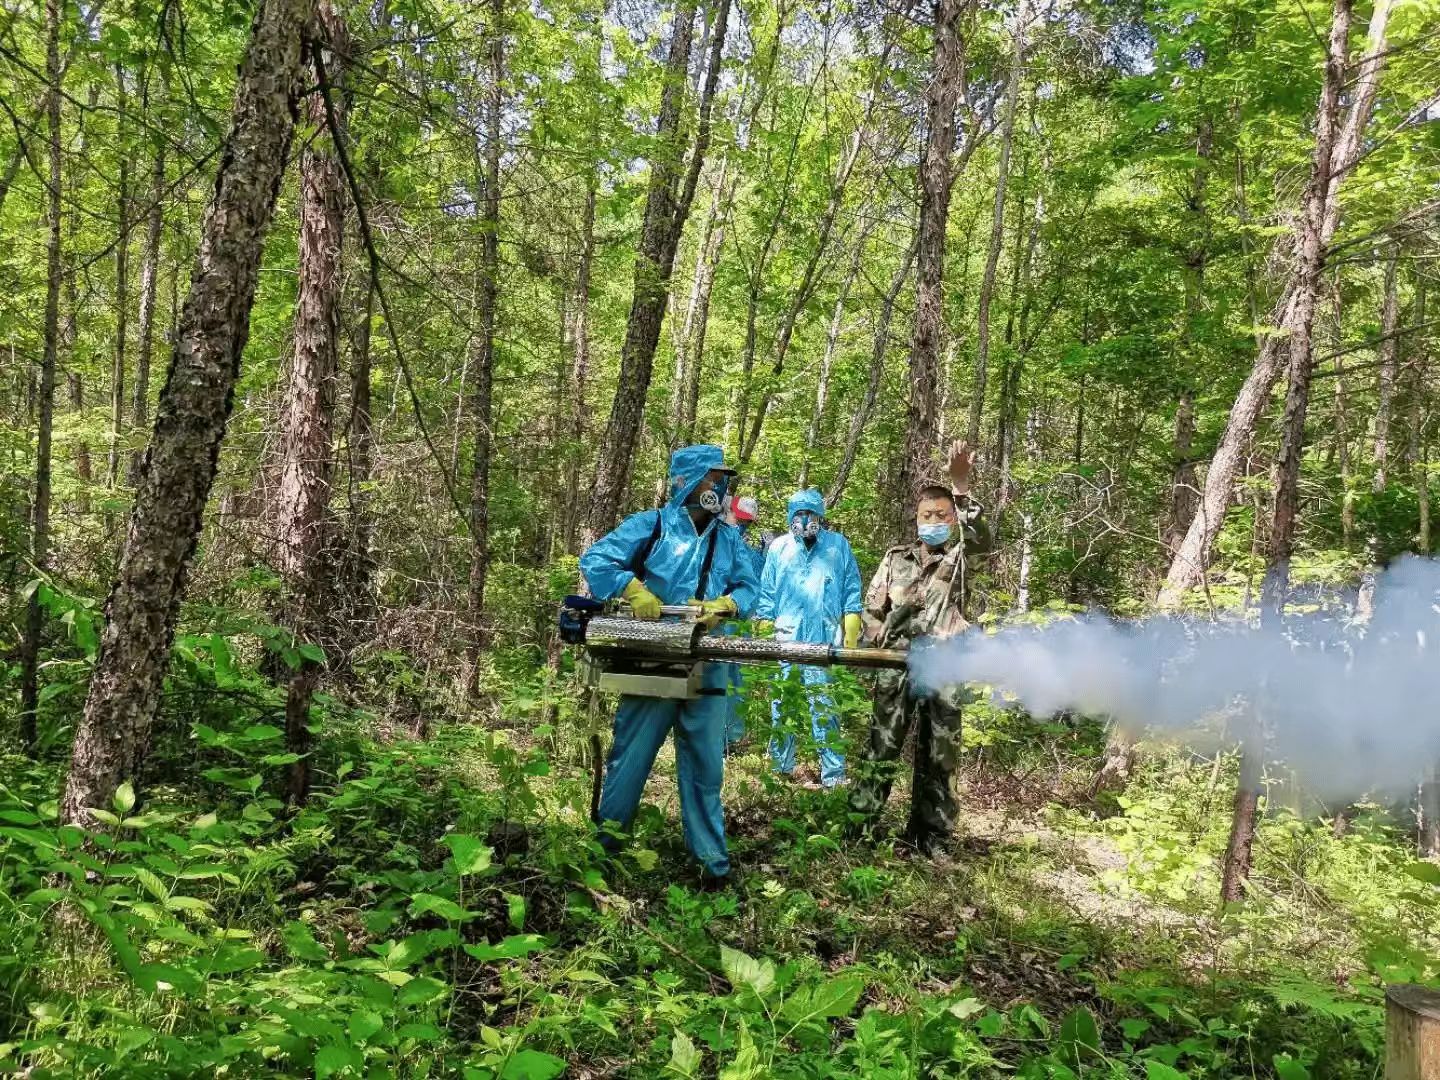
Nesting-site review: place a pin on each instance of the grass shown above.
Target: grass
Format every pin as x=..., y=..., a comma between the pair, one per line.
x=442, y=910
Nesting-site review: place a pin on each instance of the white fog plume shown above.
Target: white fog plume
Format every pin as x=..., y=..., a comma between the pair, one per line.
x=1352, y=710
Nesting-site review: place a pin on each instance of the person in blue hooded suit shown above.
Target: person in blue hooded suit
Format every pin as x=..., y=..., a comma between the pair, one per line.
x=680, y=554
x=810, y=591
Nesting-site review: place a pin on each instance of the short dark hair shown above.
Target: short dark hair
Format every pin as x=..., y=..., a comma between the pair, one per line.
x=936, y=491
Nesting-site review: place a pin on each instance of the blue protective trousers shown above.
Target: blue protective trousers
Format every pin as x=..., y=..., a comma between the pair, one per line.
x=641, y=725
x=824, y=727
x=734, y=700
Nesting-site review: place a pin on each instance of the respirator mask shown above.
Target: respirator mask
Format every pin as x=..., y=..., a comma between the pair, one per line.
x=711, y=500
x=805, y=526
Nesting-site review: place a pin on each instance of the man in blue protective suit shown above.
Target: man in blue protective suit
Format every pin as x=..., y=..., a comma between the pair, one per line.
x=741, y=513
x=680, y=554
x=810, y=591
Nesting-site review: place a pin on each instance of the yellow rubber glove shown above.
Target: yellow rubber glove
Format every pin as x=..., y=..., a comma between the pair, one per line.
x=850, y=627
x=643, y=603
x=765, y=628
x=713, y=612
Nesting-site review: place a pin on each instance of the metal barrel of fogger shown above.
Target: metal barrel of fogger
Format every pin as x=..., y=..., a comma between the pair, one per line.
x=687, y=641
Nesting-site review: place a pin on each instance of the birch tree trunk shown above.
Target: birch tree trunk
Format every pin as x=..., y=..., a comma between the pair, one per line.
x=1188, y=565
x=1305, y=282
x=941, y=99
x=808, y=278
x=40, y=503
x=179, y=465
x=879, y=347
x=1184, y=496
x=827, y=359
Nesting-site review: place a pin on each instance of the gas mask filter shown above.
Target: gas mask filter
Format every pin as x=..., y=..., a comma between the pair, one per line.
x=805, y=526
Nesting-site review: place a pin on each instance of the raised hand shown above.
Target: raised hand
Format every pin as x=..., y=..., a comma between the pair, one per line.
x=962, y=466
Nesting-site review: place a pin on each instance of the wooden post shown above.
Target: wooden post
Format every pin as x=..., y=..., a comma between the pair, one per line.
x=1412, y=1033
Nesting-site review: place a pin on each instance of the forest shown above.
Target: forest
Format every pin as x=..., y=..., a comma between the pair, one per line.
x=333, y=335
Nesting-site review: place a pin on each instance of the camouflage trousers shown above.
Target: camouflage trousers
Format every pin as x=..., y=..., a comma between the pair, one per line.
x=936, y=720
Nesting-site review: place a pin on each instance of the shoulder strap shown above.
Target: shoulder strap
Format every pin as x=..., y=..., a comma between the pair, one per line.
x=709, y=558
x=642, y=554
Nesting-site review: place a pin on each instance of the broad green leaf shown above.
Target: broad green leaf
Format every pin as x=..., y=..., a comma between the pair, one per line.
x=1158, y=1070
x=428, y=903
x=684, y=1058
x=421, y=991
x=417, y=947
x=337, y=1060
x=1287, y=1068
x=526, y=1064
x=745, y=1065
x=965, y=1008
x=1424, y=871
x=510, y=948
x=363, y=1024
x=1079, y=1037
x=470, y=854
x=743, y=970
x=831, y=998
x=300, y=940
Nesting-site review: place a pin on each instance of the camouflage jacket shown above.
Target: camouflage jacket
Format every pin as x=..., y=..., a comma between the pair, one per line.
x=918, y=592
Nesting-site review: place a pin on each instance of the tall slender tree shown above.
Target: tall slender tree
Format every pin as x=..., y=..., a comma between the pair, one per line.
x=668, y=199
x=1191, y=557
x=484, y=359
x=40, y=503
x=179, y=466
x=941, y=99
x=302, y=496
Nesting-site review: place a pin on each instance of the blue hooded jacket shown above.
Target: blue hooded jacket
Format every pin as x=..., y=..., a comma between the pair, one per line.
x=672, y=568
x=804, y=591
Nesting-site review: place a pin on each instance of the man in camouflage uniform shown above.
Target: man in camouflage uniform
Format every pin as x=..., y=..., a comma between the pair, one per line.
x=921, y=589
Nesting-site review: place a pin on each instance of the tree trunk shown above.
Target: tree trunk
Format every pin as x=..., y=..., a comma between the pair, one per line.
x=1188, y=565
x=360, y=558
x=1389, y=365
x=827, y=359
x=179, y=465
x=1184, y=495
x=484, y=363
x=1305, y=283
x=149, y=292
x=1342, y=443
x=1430, y=816
x=690, y=344
x=878, y=349
x=579, y=365
x=808, y=278
x=997, y=226
x=307, y=415
x=1309, y=264
x=1420, y=431
x=664, y=221
x=122, y=299
x=941, y=99
x=1235, y=869
x=40, y=504
x=1027, y=524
